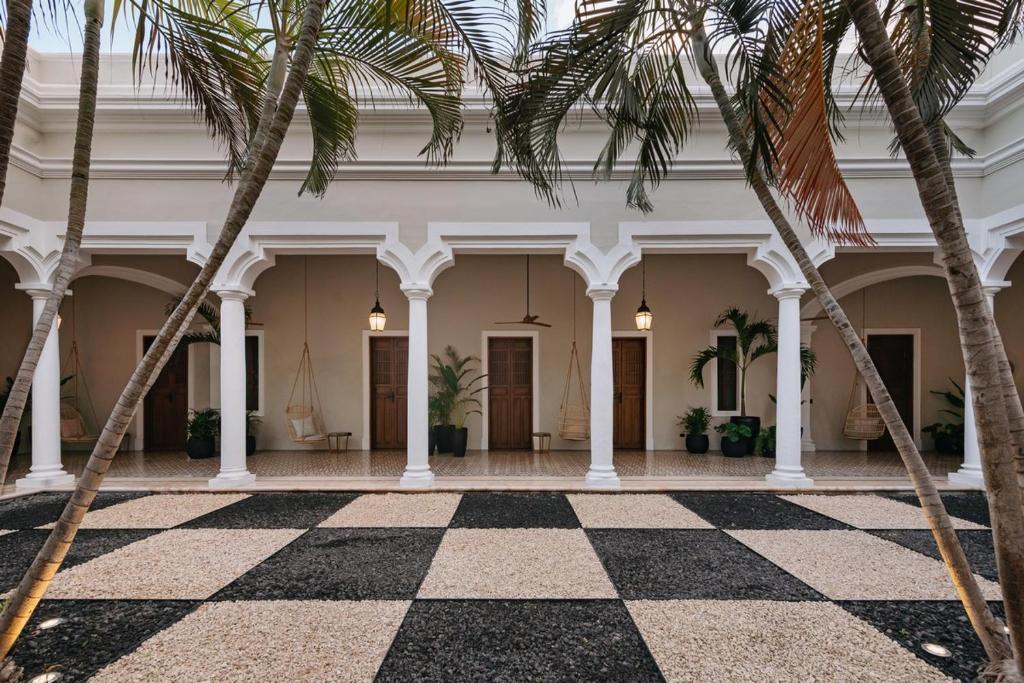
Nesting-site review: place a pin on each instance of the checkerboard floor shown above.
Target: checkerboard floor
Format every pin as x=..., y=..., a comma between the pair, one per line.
x=497, y=586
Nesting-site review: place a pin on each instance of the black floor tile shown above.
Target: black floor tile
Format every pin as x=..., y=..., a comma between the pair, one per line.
x=17, y=550
x=913, y=623
x=970, y=506
x=691, y=564
x=754, y=511
x=274, y=511
x=95, y=633
x=508, y=510
x=520, y=640
x=28, y=512
x=977, y=544
x=342, y=564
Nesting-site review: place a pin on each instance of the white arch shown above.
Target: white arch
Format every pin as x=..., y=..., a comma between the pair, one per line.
x=854, y=284
x=164, y=284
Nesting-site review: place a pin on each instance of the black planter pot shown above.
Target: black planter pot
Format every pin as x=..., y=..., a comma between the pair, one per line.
x=444, y=435
x=755, y=428
x=460, y=437
x=198, y=447
x=945, y=443
x=431, y=440
x=767, y=452
x=733, y=449
x=250, y=444
x=697, y=443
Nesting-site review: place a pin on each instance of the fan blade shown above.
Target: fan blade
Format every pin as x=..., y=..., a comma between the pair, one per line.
x=510, y=322
x=540, y=324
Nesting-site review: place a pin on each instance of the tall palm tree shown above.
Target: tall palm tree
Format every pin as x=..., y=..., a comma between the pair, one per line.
x=625, y=59
x=12, y=69
x=420, y=48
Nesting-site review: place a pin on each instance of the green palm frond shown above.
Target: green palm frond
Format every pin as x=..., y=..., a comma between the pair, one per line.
x=705, y=356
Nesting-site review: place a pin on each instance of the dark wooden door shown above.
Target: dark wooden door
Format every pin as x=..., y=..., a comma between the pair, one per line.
x=389, y=375
x=509, y=392
x=893, y=355
x=165, y=409
x=629, y=363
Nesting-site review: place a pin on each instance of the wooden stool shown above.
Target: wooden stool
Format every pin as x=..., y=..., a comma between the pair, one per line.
x=543, y=441
x=334, y=441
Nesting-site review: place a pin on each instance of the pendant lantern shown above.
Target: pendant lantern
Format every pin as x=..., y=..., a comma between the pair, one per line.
x=377, y=318
x=644, y=317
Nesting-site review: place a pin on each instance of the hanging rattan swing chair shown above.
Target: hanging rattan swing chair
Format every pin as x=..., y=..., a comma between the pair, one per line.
x=863, y=421
x=574, y=415
x=304, y=414
x=77, y=403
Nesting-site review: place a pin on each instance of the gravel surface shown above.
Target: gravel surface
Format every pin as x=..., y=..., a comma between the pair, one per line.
x=29, y=512
x=269, y=641
x=94, y=633
x=161, y=511
x=854, y=565
x=342, y=564
x=181, y=564
x=274, y=511
x=18, y=550
x=633, y=511
x=971, y=506
x=514, y=510
x=690, y=563
x=516, y=563
x=871, y=512
x=757, y=641
x=396, y=510
x=943, y=623
x=754, y=511
x=977, y=546
x=447, y=640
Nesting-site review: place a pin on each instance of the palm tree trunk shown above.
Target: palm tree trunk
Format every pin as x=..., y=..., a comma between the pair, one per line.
x=72, y=237
x=30, y=590
x=979, y=339
x=12, y=69
x=988, y=629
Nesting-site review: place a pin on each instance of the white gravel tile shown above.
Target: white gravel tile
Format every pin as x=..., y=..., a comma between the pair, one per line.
x=633, y=511
x=516, y=563
x=757, y=641
x=871, y=512
x=854, y=565
x=396, y=510
x=6, y=531
x=180, y=564
x=267, y=641
x=157, y=511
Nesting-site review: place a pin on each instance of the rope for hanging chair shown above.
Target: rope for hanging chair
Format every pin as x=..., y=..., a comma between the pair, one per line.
x=574, y=415
x=73, y=426
x=863, y=421
x=304, y=418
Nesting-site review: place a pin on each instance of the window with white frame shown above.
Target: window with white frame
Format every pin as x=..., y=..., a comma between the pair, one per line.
x=725, y=382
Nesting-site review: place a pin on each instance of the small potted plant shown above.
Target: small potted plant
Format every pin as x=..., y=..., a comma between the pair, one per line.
x=251, y=423
x=765, y=446
x=734, y=438
x=203, y=427
x=695, y=422
x=949, y=436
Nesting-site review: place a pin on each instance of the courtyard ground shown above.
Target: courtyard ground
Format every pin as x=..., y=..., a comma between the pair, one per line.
x=313, y=586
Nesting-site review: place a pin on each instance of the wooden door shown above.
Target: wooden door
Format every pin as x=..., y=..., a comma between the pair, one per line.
x=165, y=409
x=629, y=369
x=509, y=392
x=389, y=375
x=893, y=355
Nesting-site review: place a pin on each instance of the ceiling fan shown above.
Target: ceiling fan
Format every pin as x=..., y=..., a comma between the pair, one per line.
x=527, y=319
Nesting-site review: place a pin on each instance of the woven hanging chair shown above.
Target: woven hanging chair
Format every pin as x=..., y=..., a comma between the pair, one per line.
x=74, y=429
x=863, y=421
x=303, y=414
x=574, y=418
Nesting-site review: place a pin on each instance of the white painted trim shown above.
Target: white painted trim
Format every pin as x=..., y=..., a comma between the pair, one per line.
x=261, y=399
x=534, y=336
x=916, y=333
x=364, y=441
x=648, y=380
x=715, y=412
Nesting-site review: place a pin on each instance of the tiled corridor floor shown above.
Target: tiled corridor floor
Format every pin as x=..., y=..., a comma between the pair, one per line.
x=512, y=586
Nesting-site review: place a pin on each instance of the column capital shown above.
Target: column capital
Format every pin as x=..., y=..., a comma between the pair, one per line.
x=38, y=290
x=602, y=292
x=787, y=292
x=993, y=287
x=233, y=293
x=417, y=291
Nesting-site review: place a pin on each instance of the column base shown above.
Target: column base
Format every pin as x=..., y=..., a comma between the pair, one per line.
x=416, y=478
x=807, y=446
x=45, y=480
x=792, y=479
x=602, y=478
x=967, y=478
x=232, y=480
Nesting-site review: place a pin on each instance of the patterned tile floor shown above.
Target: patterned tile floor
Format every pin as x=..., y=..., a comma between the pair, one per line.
x=390, y=464
x=324, y=586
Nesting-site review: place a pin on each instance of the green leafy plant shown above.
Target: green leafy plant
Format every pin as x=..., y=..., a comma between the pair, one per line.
x=455, y=387
x=203, y=424
x=953, y=431
x=733, y=431
x=208, y=312
x=696, y=420
x=765, y=444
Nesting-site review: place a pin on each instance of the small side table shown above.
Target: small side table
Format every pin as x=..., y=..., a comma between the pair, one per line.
x=335, y=440
x=543, y=441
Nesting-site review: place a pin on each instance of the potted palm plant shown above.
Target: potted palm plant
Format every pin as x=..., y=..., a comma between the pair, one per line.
x=949, y=436
x=695, y=422
x=456, y=385
x=754, y=339
x=202, y=427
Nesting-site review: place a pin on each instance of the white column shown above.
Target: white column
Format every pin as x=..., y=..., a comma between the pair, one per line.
x=788, y=470
x=806, y=438
x=233, y=469
x=969, y=475
x=46, y=470
x=417, y=468
x=602, y=468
